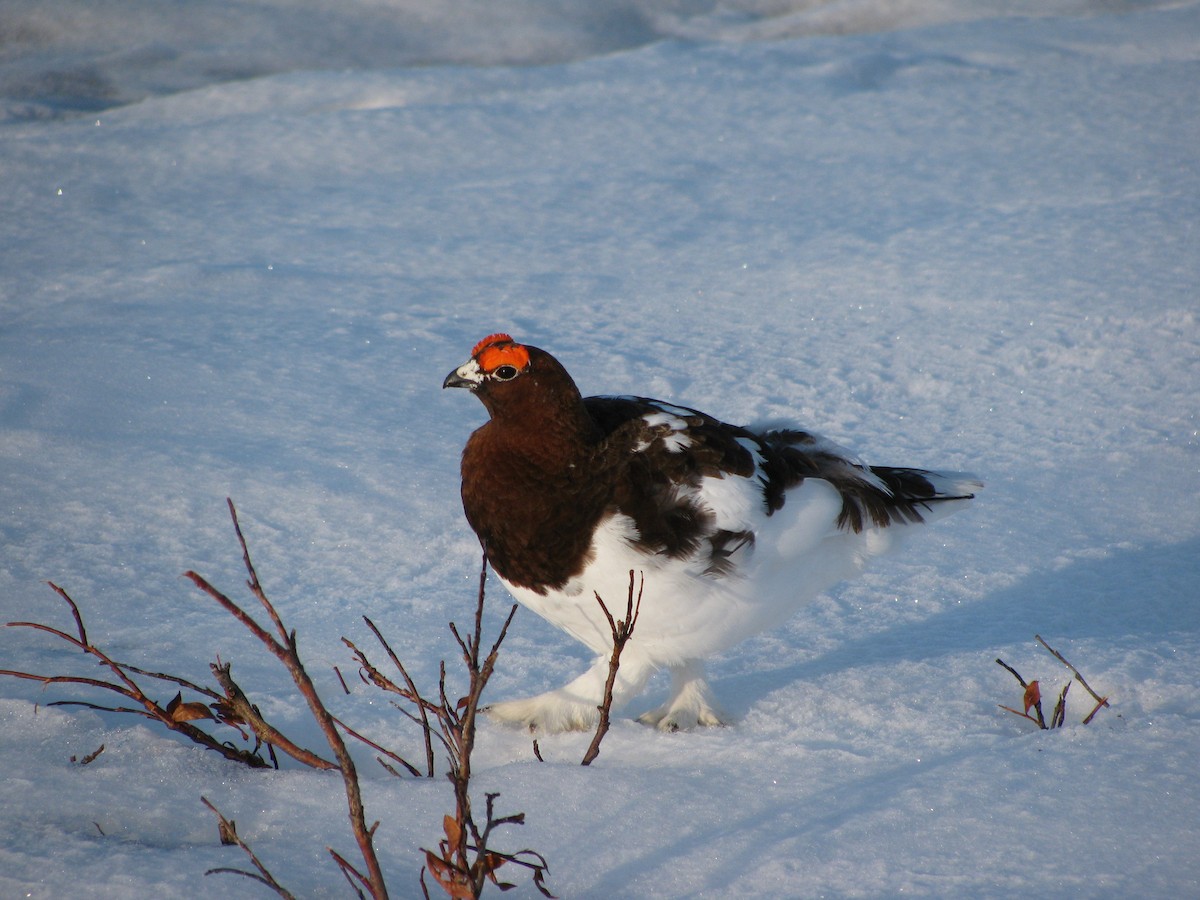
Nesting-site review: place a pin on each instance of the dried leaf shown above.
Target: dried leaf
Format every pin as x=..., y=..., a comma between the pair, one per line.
x=539, y=881
x=227, y=832
x=437, y=866
x=453, y=882
x=186, y=712
x=453, y=830
x=1033, y=696
x=491, y=862
x=189, y=712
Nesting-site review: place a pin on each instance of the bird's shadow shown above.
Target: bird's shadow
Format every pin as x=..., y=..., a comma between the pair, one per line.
x=1127, y=594
x=1126, y=597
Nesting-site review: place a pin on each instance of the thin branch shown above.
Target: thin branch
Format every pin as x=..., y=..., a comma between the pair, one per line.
x=91, y=757
x=1060, y=708
x=1015, y=673
x=350, y=873
x=287, y=653
x=1037, y=704
x=253, y=582
x=82, y=643
x=127, y=687
x=423, y=706
x=370, y=743
x=1100, y=701
x=74, y=679
x=1023, y=715
x=173, y=679
x=74, y=612
x=241, y=707
x=99, y=707
x=622, y=631
x=229, y=832
x=38, y=626
x=464, y=863
x=345, y=687
x=1095, y=709
x=237, y=612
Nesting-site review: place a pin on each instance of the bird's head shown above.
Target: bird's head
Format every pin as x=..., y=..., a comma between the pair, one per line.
x=495, y=360
x=515, y=379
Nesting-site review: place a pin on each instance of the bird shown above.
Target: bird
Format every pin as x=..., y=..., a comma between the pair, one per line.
x=730, y=529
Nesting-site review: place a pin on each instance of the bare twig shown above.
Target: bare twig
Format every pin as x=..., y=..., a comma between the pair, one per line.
x=1095, y=709
x=80, y=630
x=91, y=757
x=1060, y=708
x=255, y=587
x=244, y=711
x=1017, y=712
x=351, y=874
x=374, y=746
x=284, y=649
x=622, y=631
x=229, y=835
x=1033, y=694
x=1015, y=673
x=1100, y=701
x=170, y=716
x=1033, y=697
x=463, y=862
x=342, y=681
x=424, y=707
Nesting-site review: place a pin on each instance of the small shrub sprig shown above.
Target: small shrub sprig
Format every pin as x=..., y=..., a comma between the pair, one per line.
x=1032, y=698
x=464, y=862
x=622, y=631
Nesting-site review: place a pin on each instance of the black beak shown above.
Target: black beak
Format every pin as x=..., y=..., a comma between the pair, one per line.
x=456, y=380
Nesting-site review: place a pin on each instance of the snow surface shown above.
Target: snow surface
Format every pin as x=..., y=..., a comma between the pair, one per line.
x=968, y=245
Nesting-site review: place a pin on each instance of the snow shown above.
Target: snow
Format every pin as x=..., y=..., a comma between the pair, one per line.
x=242, y=244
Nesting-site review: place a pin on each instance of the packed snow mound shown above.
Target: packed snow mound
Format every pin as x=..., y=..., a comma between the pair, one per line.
x=80, y=56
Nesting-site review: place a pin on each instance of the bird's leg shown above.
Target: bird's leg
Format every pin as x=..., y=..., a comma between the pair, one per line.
x=691, y=702
x=575, y=706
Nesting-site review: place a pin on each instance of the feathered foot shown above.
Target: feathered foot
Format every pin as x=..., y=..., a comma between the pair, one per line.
x=576, y=706
x=691, y=702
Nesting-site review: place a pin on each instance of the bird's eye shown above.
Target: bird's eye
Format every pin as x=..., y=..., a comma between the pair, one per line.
x=505, y=373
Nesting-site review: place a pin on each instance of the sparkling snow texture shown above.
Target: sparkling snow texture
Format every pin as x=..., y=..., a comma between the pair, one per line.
x=241, y=244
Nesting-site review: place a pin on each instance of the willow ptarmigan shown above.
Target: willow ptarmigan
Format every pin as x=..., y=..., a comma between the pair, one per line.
x=731, y=529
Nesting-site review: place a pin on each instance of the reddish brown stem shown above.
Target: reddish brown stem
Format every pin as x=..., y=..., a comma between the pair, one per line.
x=622, y=631
x=284, y=649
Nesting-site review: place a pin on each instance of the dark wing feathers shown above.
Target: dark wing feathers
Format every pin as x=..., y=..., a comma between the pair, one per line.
x=712, y=446
x=662, y=453
x=876, y=496
x=913, y=490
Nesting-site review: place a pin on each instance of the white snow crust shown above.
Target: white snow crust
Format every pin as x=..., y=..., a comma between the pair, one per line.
x=242, y=243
